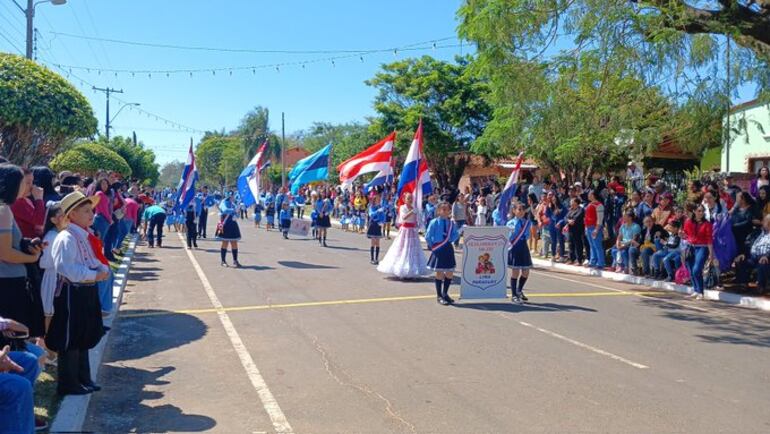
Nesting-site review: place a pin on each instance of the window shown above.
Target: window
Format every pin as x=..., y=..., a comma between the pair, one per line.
x=756, y=163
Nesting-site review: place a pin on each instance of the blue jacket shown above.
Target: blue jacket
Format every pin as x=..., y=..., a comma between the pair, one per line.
x=284, y=214
x=437, y=231
x=226, y=207
x=516, y=225
x=377, y=214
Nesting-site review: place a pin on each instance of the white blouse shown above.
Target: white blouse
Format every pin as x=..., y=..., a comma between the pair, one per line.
x=73, y=256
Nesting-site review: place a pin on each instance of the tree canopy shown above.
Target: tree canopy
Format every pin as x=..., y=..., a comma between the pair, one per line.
x=88, y=159
x=219, y=159
x=39, y=111
x=347, y=139
x=450, y=100
x=141, y=160
x=170, y=174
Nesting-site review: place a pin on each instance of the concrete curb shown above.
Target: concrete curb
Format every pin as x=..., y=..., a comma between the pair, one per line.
x=73, y=409
x=710, y=294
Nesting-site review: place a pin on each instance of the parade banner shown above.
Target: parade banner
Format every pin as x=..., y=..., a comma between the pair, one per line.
x=299, y=227
x=485, y=262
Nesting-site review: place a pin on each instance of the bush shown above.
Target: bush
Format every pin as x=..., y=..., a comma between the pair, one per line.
x=89, y=158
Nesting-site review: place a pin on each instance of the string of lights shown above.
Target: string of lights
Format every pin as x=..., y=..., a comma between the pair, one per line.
x=231, y=69
x=247, y=50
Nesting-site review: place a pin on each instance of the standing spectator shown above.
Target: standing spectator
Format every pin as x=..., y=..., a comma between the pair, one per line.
x=532, y=209
x=763, y=201
x=712, y=205
x=575, y=228
x=44, y=178
x=635, y=176
x=743, y=216
x=594, y=221
x=700, y=251
x=762, y=180
x=459, y=213
x=481, y=212
x=29, y=208
x=103, y=218
x=555, y=213
x=536, y=187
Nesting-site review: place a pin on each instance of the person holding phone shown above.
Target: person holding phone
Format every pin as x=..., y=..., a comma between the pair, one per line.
x=76, y=327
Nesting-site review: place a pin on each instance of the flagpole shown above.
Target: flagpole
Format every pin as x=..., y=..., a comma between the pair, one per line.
x=283, y=150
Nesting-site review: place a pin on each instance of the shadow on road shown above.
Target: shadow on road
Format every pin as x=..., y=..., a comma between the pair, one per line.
x=527, y=307
x=305, y=266
x=141, y=333
x=128, y=409
x=735, y=325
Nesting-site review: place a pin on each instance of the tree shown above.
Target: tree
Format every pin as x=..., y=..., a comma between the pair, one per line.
x=39, y=111
x=88, y=159
x=170, y=174
x=141, y=160
x=209, y=156
x=448, y=98
x=254, y=129
x=346, y=139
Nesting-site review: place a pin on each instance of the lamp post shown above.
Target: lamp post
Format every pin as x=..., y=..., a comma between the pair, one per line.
x=29, y=12
x=109, y=121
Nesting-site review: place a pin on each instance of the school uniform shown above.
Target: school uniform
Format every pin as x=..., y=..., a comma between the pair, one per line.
x=377, y=217
x=77, y=325
x=323, y=207
x=230, y=231
x=258, y=213
x=270, y=214
x=285, y=219
x=518, y=252
x=440, y=235
x=192, y=229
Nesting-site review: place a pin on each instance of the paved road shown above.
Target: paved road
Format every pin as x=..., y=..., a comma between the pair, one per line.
x=336, y=347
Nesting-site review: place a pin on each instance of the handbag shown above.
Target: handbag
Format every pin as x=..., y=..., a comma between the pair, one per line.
x=682, y=275
x=711, y=279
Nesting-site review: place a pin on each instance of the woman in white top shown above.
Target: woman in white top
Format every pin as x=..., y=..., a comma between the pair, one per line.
x=405, y=258
x=481, y=212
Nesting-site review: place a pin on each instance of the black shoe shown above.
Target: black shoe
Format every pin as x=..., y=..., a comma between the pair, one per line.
x=442, y=302
x=237, y=264
x=77, y=390
x=92, y=386
x=195, y=245
x=106, y=328
x=523, y=297
x=376, y=262
x=449, y=299
x=224, y=264
x=325, y=244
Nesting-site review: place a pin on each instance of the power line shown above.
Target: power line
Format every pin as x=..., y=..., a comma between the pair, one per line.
x=253, y=68
x=245, y=50
x=12, y=44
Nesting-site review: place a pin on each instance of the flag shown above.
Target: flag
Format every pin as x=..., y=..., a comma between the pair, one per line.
x=383, y=177
x=375, y=158
x=186, y=190
x=267, y=164
x=415, y=177
x=312, y=168
x=249, y=179
x=510, y=189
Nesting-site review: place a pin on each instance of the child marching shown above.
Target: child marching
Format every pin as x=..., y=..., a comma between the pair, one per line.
x=440, y=235
x=374, y=231
x=269, y=215
x=519, y=259
x=228, y=231
x=285, y=219
x=323, y=207
x=257, y=214
x=404, y=258
x=191, y=221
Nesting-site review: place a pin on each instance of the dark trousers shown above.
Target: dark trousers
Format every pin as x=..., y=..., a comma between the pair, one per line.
x=192, y=235
x=74, y=369
x=109, y=240
x=576, y=249
x=156, y=224
x=744, y=268
x=202, y=219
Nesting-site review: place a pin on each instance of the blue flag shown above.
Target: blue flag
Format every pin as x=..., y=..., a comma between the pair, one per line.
x=312, y=168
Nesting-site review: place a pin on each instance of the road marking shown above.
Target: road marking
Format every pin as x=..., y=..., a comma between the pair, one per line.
x=585, y=346
x=365, y=300
x=269, y=403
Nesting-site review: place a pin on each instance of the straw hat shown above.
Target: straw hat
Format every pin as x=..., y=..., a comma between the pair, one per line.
x=74, y=199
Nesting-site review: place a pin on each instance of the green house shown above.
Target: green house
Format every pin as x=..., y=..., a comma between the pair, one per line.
x=749, y=139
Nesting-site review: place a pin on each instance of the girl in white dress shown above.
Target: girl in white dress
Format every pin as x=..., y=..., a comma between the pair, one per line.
x=55, y=223
x=481, y=212
x=405, y=258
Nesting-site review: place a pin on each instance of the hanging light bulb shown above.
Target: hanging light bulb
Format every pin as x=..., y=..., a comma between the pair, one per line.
x=149, y=75
x=277, y=69
x=253, y=71
x=434, y=45
x=116, y=75
x=213, y=72
x=132, y=75
x=362, y=58
x=395, y=52
x=333, y=64
x=190, y=74
x=167, y=75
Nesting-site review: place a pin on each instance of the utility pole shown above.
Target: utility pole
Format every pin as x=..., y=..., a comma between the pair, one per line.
x=727, y=145
x=29, y=14
x=283, y=150
x=107, y=92
x=134, y=136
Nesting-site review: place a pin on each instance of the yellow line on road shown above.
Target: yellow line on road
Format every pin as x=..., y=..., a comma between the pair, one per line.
x=371, y=300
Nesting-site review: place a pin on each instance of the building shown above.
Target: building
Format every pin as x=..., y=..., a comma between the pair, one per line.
x=480, y=170
x=749, y=145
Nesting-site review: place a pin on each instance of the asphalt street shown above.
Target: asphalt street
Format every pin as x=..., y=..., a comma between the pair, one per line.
x=310, y=339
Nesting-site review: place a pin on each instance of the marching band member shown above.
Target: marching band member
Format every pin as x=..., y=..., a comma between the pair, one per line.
x=440, y=235
x=377, y=217
x=228, y=231
x=519, y=259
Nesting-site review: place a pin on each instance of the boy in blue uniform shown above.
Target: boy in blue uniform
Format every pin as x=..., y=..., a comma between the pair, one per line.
x=519, y=260
x=440, y=235
x=285, y=219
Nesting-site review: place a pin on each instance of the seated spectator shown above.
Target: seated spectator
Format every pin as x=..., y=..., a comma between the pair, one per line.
x=743, y=215
x=663, y=212
x=756, y=258
x=18, y=372
x=763, y=202
x=628, y=239
x=651, y=240
x=669, y=257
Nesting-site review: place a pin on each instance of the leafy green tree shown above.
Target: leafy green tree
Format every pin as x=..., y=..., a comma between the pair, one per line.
x=88, y=159
x=141, y=160
x=448, y=98
x=210, y=154
x=254, y=129
x=170, y=174
x=39, y=111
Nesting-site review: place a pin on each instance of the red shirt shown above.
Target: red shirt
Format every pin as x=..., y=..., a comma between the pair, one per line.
x=698, y=233
x=29, y=216
x=592, y=216
x=132, y=209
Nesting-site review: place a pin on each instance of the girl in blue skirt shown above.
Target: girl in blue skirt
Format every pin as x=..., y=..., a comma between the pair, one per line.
x=519, y=260
x=440, y=236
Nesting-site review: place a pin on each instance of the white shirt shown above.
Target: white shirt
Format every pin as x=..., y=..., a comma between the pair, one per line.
x=73, y=256
x=402, y=215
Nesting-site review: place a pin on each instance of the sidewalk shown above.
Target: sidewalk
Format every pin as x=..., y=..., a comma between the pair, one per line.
x=754, y=302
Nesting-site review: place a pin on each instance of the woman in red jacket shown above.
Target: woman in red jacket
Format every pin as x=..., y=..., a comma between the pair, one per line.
x=700, y=250
x=29, y=209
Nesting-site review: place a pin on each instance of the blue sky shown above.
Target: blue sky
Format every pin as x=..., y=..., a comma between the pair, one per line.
x=319, y=92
